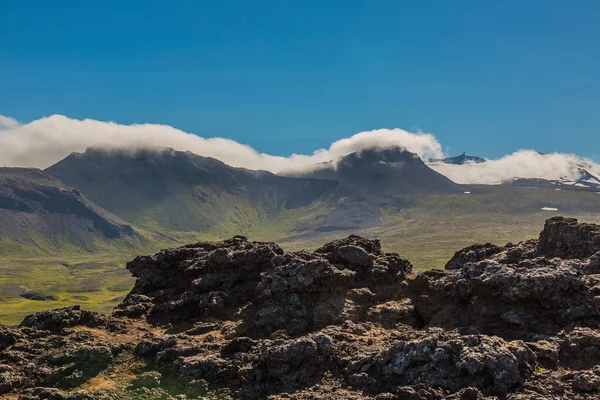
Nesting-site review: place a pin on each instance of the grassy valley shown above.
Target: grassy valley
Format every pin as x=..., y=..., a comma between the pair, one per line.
x=27, y=285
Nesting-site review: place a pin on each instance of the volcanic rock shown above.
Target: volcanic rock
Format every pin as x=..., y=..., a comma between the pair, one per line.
x=149, y=379
x=566, y=238
x=62, y=318
x=241, y=319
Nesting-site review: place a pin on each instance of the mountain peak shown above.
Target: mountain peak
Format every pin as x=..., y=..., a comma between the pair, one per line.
x=127, y=151
x=390, y=154
x=389, y=171
x=464, y=158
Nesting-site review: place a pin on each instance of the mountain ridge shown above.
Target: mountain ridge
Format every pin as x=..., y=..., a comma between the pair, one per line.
x=177, y=190
x=378, y=172
x=148, y=179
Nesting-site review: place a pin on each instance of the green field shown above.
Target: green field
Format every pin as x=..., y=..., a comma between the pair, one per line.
x=96, y=282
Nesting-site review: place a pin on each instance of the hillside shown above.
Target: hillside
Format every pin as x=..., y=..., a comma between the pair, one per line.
x=170, y=191
x=40, y=214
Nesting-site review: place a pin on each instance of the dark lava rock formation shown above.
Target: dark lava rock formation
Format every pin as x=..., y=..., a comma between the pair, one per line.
x=240, y=319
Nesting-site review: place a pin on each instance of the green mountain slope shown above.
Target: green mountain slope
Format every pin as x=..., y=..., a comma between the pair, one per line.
x=166, y=191
x=40, y=214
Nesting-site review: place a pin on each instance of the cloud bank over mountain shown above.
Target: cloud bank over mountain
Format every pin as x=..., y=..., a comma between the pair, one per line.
x=521, y=164
x=45, y=141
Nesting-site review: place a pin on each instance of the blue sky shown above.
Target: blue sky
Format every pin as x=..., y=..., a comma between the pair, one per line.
x=486, y=77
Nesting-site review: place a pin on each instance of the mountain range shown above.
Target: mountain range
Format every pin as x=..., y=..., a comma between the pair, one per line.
x=100, y=198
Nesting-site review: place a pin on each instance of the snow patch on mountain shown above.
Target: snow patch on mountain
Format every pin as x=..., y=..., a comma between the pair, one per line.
x=567, y=169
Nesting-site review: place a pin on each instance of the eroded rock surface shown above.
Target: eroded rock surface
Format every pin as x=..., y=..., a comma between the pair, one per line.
x=241, y=319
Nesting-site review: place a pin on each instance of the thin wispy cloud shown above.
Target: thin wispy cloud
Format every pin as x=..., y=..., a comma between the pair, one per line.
x=8, y=122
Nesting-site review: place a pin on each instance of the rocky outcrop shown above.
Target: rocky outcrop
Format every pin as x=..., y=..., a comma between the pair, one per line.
x=41, y=358
x=58, y=320
x=474, y=253
x=517, y=301
x=197, y=281
x=518, y=291
x=241, y=319
x=566, y=238
x=259, y=289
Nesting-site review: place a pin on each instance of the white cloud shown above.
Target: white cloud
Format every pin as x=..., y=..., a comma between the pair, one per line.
x=43, y=142
x=8, y=122
x=521, y=164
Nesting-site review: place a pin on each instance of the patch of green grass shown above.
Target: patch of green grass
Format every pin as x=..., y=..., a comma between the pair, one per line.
x=97, y=287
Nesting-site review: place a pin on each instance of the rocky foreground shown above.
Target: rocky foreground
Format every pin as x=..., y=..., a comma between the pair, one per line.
x=240, y=319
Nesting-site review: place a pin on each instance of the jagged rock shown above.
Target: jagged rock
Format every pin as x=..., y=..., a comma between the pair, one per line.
x=593, y=264
x=513, y=300
x=57, y=359
x=134, y=306
x=8, y=337
x=547, y=352
x=566, y=238
x=198, y=280
x=586, y=381
x=561, y=237
x=469, y=393
x=451, y=361
x=579, y=348
x=333, y=249
x=151, y=347
x=296, y=292
x=241, y=319
x=471, y=254
x=64, y=318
